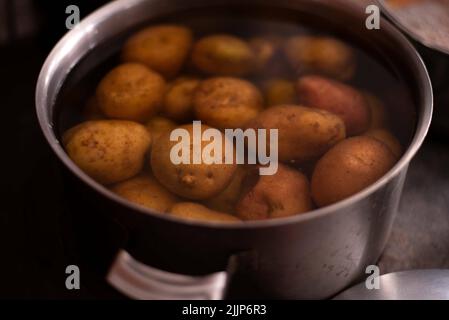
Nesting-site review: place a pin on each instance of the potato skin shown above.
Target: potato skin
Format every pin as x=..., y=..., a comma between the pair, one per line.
x=320, y=55
x=158, y=125
x=349, y=167
x=191, y=181
x=109, y=151
x=225, y=102
x=146, y=191
x=223, y=55
x=279, y=91
x=338, y=98
x=163, y=48
x=264, y=51
x=283, y=194
x=196, y=211
x=131, y=91
x=303, y=133
x=226, y=200
x=388, y=139
x=178, y=101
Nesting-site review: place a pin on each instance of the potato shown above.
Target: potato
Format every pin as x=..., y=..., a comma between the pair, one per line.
x=224, y=102
x=388, y=139
x=338, y=98
x=146, y=191
x=163, y=48
x=264, y=51
x=131, y=91
x=92, y=110
x=279, y=91
x=320, y=55
x=349, y=167
x=178, y=101
x=189, y=180
x=226, y=200
x=158, y=125
x=109, y=151
x=223, y=55
x=195, y=211
x=283, y=194
x=378, y=112
x=303, y=133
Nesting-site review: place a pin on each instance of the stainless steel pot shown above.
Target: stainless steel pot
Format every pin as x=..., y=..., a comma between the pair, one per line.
x=314, y=255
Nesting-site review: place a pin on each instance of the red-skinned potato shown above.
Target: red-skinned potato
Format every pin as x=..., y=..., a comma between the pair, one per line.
x=338, y=98
x=283, y=194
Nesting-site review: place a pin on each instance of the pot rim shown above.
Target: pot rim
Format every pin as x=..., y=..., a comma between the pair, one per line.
x=87, y=25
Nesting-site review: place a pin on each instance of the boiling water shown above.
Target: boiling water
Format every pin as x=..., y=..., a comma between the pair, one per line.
x=375, y=73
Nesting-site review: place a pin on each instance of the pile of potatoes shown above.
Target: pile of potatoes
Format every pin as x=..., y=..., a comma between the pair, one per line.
x=333, y=138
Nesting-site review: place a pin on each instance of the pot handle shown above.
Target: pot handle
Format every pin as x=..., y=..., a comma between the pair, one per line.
x=139, y=281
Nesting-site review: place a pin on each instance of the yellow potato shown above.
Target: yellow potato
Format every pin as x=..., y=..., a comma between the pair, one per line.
x=264, y=50
x=131, y=91
x=320, y=55
x=158, y=125
x=279, y=91
x=349, y=167
x=109, y=151
x=178, y=101
x=283, y=194
x=338, y=98
x=223, y=55
x=303, y=133
x=225, y=102
x=190, y=180
x=146, y=191
x=195, y=211
x=388, y=139
x=226, y=200
x=163, y=48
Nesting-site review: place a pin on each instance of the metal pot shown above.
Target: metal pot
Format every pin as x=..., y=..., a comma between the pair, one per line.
x=314, y=255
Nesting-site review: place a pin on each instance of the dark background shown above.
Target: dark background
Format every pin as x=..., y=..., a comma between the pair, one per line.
x=35, y=243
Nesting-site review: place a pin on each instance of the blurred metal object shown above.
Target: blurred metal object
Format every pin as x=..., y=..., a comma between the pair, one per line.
x=426, y=22
x=405, y=285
